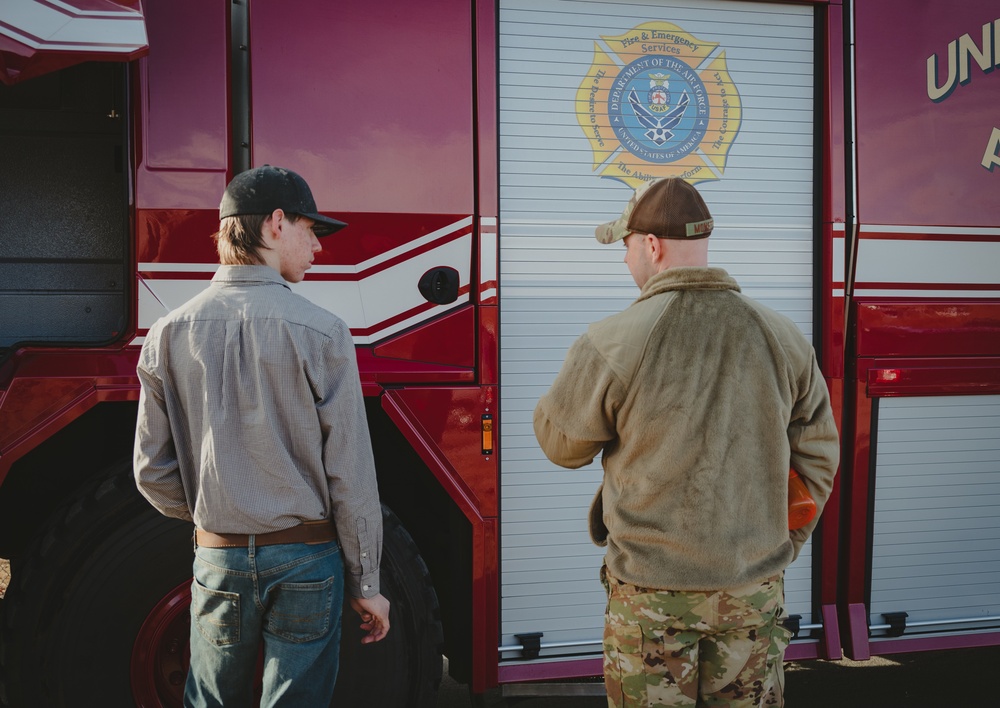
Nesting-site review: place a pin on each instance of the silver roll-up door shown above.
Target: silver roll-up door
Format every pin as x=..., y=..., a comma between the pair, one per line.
x=567, y=70
x=936, y=533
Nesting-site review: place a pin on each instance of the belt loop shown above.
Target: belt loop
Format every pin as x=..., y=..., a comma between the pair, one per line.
x=251, y=543
x=194, y=539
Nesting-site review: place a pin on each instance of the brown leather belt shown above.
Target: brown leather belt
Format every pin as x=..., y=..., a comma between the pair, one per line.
x=308, y=532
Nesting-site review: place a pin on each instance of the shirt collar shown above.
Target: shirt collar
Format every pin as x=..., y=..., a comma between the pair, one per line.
x=247, y=275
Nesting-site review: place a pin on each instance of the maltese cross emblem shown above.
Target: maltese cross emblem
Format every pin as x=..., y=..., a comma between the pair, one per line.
x=659, y=102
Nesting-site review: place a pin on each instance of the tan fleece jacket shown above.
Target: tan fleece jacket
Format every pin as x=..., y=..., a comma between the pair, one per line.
x=700, y=399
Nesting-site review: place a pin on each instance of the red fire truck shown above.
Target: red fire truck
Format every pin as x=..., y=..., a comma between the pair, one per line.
x=849, y=151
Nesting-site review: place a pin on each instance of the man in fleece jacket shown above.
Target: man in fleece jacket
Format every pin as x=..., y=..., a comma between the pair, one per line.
x=700, y=400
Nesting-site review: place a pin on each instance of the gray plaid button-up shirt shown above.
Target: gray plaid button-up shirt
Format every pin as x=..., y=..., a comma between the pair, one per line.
x=251, y=418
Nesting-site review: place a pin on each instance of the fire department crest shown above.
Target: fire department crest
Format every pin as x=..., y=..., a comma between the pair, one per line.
x=659, y=102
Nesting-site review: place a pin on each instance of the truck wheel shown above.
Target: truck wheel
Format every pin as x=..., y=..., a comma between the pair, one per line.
x=81, y=594
x=98, y=614
x=404, y=669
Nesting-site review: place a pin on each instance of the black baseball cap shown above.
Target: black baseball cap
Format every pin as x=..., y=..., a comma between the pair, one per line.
x=266, y=188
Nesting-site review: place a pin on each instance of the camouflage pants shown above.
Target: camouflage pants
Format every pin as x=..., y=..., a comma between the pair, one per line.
x=672, y=648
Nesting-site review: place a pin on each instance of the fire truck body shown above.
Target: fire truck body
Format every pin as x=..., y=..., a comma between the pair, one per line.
x=922, y=410
x=848, y=153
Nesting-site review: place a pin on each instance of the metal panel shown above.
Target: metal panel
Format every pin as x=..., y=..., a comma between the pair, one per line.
x=63, y=200
x=38, y=37
x=935, y=551
x=555, y=278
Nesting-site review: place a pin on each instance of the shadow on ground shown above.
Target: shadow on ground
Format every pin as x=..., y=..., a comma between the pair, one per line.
x=958, y=678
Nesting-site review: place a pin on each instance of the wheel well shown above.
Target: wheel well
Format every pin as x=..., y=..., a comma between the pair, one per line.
x=438, y=527
x=51, y=474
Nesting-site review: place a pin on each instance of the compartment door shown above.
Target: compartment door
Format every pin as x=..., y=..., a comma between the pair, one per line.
x=572, y=148
x=937, y=514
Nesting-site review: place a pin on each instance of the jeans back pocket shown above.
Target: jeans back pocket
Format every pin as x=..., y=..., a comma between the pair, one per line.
x=301, y=612
x=216, y=614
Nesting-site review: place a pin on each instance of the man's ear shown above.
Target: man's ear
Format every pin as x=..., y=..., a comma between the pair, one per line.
x=654, y=247
x=272, y=226
x=278, y=220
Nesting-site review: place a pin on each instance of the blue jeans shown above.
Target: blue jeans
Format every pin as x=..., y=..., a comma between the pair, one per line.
x=290, y=596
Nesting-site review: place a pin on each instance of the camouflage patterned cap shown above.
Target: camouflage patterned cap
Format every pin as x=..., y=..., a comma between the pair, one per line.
x=666, y=208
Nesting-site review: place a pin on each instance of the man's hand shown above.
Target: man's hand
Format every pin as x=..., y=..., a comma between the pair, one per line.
x=374, y=612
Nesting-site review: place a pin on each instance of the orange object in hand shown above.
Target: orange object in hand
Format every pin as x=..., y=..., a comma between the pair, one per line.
x=801, y=505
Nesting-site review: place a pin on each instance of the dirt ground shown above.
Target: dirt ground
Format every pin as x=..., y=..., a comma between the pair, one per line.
x=958, y=678
x=4, y=575
x=937, y=679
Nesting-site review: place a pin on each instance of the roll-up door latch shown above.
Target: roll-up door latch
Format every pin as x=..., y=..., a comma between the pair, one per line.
x=897, y=623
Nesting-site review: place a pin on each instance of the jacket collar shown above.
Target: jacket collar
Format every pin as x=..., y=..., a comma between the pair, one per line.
x=688, y=278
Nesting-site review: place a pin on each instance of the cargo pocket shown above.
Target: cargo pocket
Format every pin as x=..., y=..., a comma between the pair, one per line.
x=216, y=614
x=300, y=612
x=775, y=683
x=622, y=663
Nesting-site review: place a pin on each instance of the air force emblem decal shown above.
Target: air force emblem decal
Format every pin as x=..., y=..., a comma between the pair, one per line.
x=659, y=102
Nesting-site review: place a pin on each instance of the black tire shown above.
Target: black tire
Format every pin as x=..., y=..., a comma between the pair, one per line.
x=82, y=592
x=404, y=669
x=111, y=567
